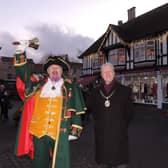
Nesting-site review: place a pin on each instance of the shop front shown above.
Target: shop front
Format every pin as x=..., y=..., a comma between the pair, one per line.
x=144, y=87
x=148, y=87
x=165, y=88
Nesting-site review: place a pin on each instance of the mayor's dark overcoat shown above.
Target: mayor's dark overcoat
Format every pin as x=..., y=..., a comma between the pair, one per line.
x=111, y=123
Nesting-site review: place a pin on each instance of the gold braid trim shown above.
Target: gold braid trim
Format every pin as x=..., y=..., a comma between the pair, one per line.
x=74, y=110
x=81, y=112
x=29, y=95
x=77, y=113
x=32, y=93
x=20, y=64
x=67, y=117
x=64, y=93
x=77, y=126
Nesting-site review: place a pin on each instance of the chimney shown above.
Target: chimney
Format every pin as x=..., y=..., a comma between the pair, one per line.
x=131, y=13
x=120, y=22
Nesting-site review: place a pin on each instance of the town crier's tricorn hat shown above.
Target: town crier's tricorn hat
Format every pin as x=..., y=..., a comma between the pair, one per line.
x=56, y=60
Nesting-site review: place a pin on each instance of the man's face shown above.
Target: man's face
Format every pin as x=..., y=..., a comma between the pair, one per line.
x=55, y=72
x=107, y=74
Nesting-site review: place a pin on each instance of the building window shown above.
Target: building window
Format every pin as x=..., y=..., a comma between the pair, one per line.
x=121, y=56
x=139, y=52
x=117, y=56
x=86, y=65
x=97, y=62
x=113, y=57
x=150, y=50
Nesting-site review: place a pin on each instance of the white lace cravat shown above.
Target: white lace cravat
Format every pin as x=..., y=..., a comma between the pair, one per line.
x=47, y=90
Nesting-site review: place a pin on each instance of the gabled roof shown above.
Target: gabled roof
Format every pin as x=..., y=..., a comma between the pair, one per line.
x=147, y=25
x=93, y=48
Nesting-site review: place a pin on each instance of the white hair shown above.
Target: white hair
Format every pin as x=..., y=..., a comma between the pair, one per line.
x=107, y=64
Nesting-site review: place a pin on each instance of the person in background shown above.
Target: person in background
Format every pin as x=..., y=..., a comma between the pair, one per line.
x=4, y=102
x=111, y=106
x=51, y=114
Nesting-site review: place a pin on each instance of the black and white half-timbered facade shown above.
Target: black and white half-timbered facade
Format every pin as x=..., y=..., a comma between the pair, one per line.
x=138, y=49
x=92, y=60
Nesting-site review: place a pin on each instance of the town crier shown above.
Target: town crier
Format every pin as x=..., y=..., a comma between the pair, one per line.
x=51, y=113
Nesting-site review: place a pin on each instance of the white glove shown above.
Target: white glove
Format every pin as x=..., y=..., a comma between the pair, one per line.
x=22, y=46
x=71, y=137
